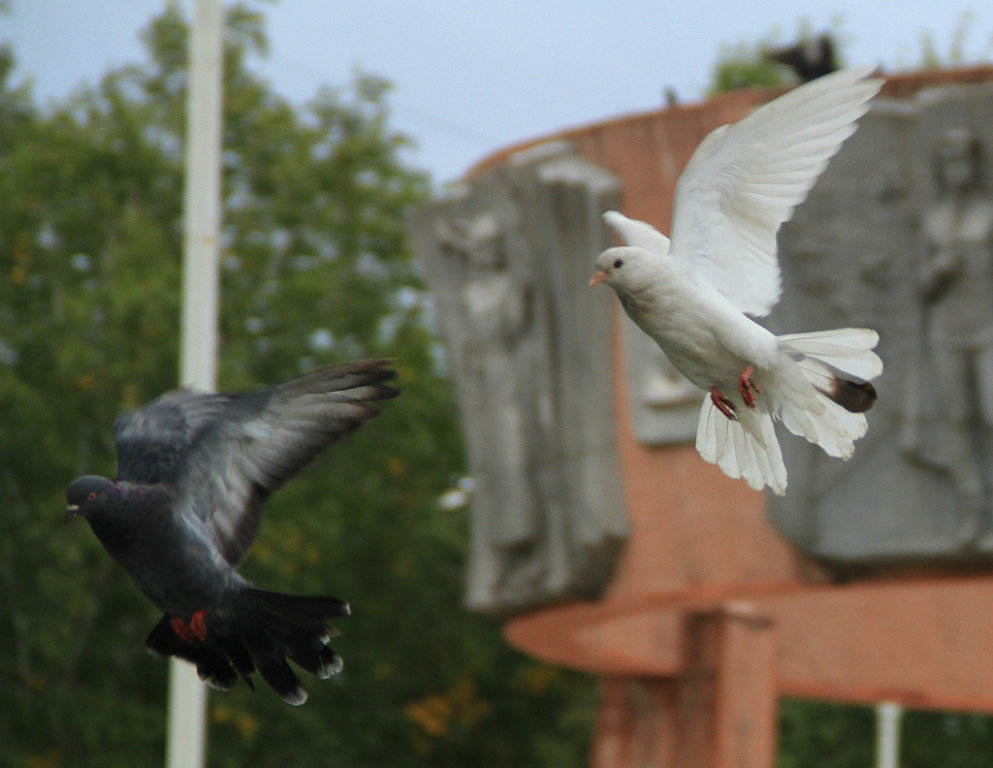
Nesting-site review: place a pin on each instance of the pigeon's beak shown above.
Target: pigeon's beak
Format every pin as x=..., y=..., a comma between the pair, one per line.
x=71, y=511
x=598, y=277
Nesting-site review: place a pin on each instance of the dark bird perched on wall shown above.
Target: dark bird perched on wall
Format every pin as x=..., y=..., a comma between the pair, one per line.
x=810, y=59
x=193, y=472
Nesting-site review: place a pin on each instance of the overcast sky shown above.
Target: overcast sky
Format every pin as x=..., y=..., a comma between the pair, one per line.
x=472, y=76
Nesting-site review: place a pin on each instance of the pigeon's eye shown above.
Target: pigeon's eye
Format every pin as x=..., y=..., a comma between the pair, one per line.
x=92, y=496
x=618, y=263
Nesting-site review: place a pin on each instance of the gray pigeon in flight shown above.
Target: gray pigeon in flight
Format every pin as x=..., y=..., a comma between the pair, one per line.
x=695, y=295
x=193, y=472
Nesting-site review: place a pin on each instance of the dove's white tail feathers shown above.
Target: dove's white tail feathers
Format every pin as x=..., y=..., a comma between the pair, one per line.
x=745, y=448
x=840, y=364
x=819, y=392
x=822, y=389
x=843, y=350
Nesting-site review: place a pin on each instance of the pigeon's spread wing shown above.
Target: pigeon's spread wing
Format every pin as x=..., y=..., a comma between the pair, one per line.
x=265, y=437
x=744, y=180
x=154, y=442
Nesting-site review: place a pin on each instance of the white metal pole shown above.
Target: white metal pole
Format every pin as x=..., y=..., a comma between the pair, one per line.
x=185, y=743
x=888, y=716
x=202, y=201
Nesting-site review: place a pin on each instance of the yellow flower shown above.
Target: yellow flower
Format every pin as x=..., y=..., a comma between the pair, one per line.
x=432, y=713
x=459, y=706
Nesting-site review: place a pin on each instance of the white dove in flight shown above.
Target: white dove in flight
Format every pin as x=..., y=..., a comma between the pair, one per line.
x=694, y=294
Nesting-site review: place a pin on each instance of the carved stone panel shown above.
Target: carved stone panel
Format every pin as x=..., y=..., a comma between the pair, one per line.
x=897, y=235
x=507, y=258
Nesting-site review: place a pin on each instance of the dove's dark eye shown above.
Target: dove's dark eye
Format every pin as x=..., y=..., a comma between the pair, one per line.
x=618, y=263
x=92, y=496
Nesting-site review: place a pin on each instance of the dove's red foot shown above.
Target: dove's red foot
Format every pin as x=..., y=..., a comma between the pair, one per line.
x=722, y=404
x=195, y=630
x=747, y=387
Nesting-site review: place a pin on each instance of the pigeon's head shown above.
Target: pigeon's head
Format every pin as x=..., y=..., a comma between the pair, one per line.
x=85, y=494
x=626, y=269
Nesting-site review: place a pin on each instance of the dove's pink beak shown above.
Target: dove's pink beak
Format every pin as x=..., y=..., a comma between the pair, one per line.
x=598, y=277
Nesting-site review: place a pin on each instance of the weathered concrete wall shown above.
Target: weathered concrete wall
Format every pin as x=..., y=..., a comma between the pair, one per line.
x=507, y=259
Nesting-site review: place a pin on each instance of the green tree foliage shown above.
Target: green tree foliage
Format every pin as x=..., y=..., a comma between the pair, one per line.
x=824, y=734
x=946, y=739
x=743, y=64
x=831, y=735
x=315, y=270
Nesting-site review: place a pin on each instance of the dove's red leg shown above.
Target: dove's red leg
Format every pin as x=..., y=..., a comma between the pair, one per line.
x=747, y=387
x=195, y=630
x=722, y=404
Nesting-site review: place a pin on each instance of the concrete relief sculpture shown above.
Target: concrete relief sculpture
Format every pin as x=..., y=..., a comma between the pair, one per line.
x=955, y=283
x=898, y=235
x=495, y=309
x=507, y=258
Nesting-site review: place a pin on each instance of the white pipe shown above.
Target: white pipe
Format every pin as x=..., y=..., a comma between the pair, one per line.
x=202, y=198
x=888, y=716
x=186, y=735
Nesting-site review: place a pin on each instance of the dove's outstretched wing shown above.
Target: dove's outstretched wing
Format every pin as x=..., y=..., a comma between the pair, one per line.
x=744, y=180
x=264, y=437
x=154, y=442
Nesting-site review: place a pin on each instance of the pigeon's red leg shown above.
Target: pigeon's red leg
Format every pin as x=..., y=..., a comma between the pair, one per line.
x=747, y=387
x=722, y=404
x=198, y=625
x=195, y=630
x=180, y=628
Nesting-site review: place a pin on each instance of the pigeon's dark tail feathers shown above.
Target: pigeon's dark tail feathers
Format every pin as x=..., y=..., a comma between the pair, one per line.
x=268, y=629
x=282, y=627
x=216, y=664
